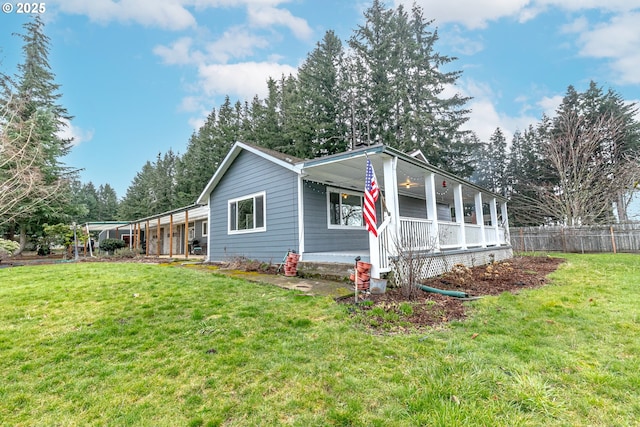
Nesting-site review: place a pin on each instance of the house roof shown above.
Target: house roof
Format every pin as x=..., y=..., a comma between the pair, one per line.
x=346, y=169
x=103, y=225
x=286, y=161
x=178, y=215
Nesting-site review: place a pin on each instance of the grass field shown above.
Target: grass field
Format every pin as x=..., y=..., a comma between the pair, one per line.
x=147, y=345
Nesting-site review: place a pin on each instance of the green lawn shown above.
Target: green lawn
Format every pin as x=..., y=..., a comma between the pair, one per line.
x=147, y=345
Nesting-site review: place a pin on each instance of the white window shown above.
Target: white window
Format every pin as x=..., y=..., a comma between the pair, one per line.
x=344, y=209
x=205, y=229
x=247, y=214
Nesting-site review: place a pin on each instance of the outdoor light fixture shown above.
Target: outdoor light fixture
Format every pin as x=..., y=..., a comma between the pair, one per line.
x=444, y=184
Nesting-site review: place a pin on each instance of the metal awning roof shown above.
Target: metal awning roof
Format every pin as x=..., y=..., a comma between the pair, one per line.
x=104, y=225
x=177, y=216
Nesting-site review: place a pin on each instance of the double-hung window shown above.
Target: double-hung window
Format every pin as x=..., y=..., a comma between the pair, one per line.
x=345, y=209
x=247, y=214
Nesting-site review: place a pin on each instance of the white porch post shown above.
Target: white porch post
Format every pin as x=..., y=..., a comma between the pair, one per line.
x=459, y=206
x=432, y=209
x=480, y=218
x=494, y=219
x=300, y=216
x=390, y=179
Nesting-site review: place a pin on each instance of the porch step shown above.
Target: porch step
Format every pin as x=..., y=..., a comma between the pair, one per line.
x=326, y=270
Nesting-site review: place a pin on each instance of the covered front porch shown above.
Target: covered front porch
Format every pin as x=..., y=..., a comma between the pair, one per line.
x=178, y=233
x=422, y=210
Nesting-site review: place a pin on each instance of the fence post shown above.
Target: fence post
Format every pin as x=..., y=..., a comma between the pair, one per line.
x=613, y=239
x=564, y=240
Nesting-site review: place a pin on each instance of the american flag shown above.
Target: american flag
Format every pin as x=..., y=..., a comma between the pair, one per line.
x=371, y=192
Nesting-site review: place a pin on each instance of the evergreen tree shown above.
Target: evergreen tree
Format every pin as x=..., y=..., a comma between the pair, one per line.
x=268, y=128
x=139, y=200
x=594, y=103
x=320, y=112
x=88, y=197
x=207, y=148
x=198, y=163
x=37, y=103
x=163, y=188
x=371, y=43
x=578, y=164
x=107, y=203
x=397, y=85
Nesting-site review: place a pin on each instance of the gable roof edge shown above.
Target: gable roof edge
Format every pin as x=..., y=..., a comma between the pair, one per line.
x=234, y=152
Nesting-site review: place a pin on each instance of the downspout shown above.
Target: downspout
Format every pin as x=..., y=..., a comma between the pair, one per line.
x=300, y=216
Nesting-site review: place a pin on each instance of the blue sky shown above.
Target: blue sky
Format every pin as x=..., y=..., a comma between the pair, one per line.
x=139, y=76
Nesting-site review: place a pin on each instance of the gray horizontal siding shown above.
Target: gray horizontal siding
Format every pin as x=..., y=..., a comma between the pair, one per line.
x=317, y=236
x=412, y=207
x=250, y=174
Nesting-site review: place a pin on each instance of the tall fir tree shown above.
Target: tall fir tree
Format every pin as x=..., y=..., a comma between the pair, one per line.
x=320, y=113
x=107, y=203
x=139, y=200
x=38, y=103
x=398, y=87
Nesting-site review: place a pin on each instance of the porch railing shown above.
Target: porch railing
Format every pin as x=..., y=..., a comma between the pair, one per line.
x=450, y=234
x=416, y=233
x=490, y=236
x=473, y=234
x=384, y=241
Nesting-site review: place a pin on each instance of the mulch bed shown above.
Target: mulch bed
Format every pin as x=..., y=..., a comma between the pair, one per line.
x=430, y=309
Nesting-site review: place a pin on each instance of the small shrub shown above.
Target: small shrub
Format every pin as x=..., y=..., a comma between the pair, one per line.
x=110, y=245
x=7, y=248
x=126, y=253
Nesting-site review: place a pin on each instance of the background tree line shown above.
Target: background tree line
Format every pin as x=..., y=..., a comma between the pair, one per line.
x=385, y=86
x=570, y=169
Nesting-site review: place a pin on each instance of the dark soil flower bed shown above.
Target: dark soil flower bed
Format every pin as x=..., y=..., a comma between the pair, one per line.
x=428, y=309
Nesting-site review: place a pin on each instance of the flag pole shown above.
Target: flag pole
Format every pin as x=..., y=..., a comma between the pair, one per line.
x=383, y=200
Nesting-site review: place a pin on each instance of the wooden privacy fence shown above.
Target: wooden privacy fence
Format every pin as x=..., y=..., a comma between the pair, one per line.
x=624, y=237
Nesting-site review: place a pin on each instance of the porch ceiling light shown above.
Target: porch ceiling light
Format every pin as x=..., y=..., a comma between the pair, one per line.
x=408, y=183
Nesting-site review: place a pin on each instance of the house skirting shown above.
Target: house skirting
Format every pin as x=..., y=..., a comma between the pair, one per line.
x=434, y=264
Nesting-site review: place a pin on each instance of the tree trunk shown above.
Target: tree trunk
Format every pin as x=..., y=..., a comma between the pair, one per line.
x=22, y=241
x=621, y=205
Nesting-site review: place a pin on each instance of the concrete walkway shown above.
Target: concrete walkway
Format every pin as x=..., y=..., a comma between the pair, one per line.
x=310, y=286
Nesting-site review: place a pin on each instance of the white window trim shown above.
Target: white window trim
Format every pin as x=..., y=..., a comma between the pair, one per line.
x=340, y=192
x=264, y=213
x=205, y=228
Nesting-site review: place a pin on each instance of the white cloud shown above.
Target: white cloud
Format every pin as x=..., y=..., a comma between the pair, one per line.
x=245, y=79
x=478, y=13
x=549, y=105
x=167, y=14
x=236, y=42
x=575, y=5
x=190, y=104
x=485, y=117
x=74, y=133
x=178, y=53
x=174, y=14
x=617, y=40
x=460, y=43
x=266, y=16
x=578, y=25
x=470, y=13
